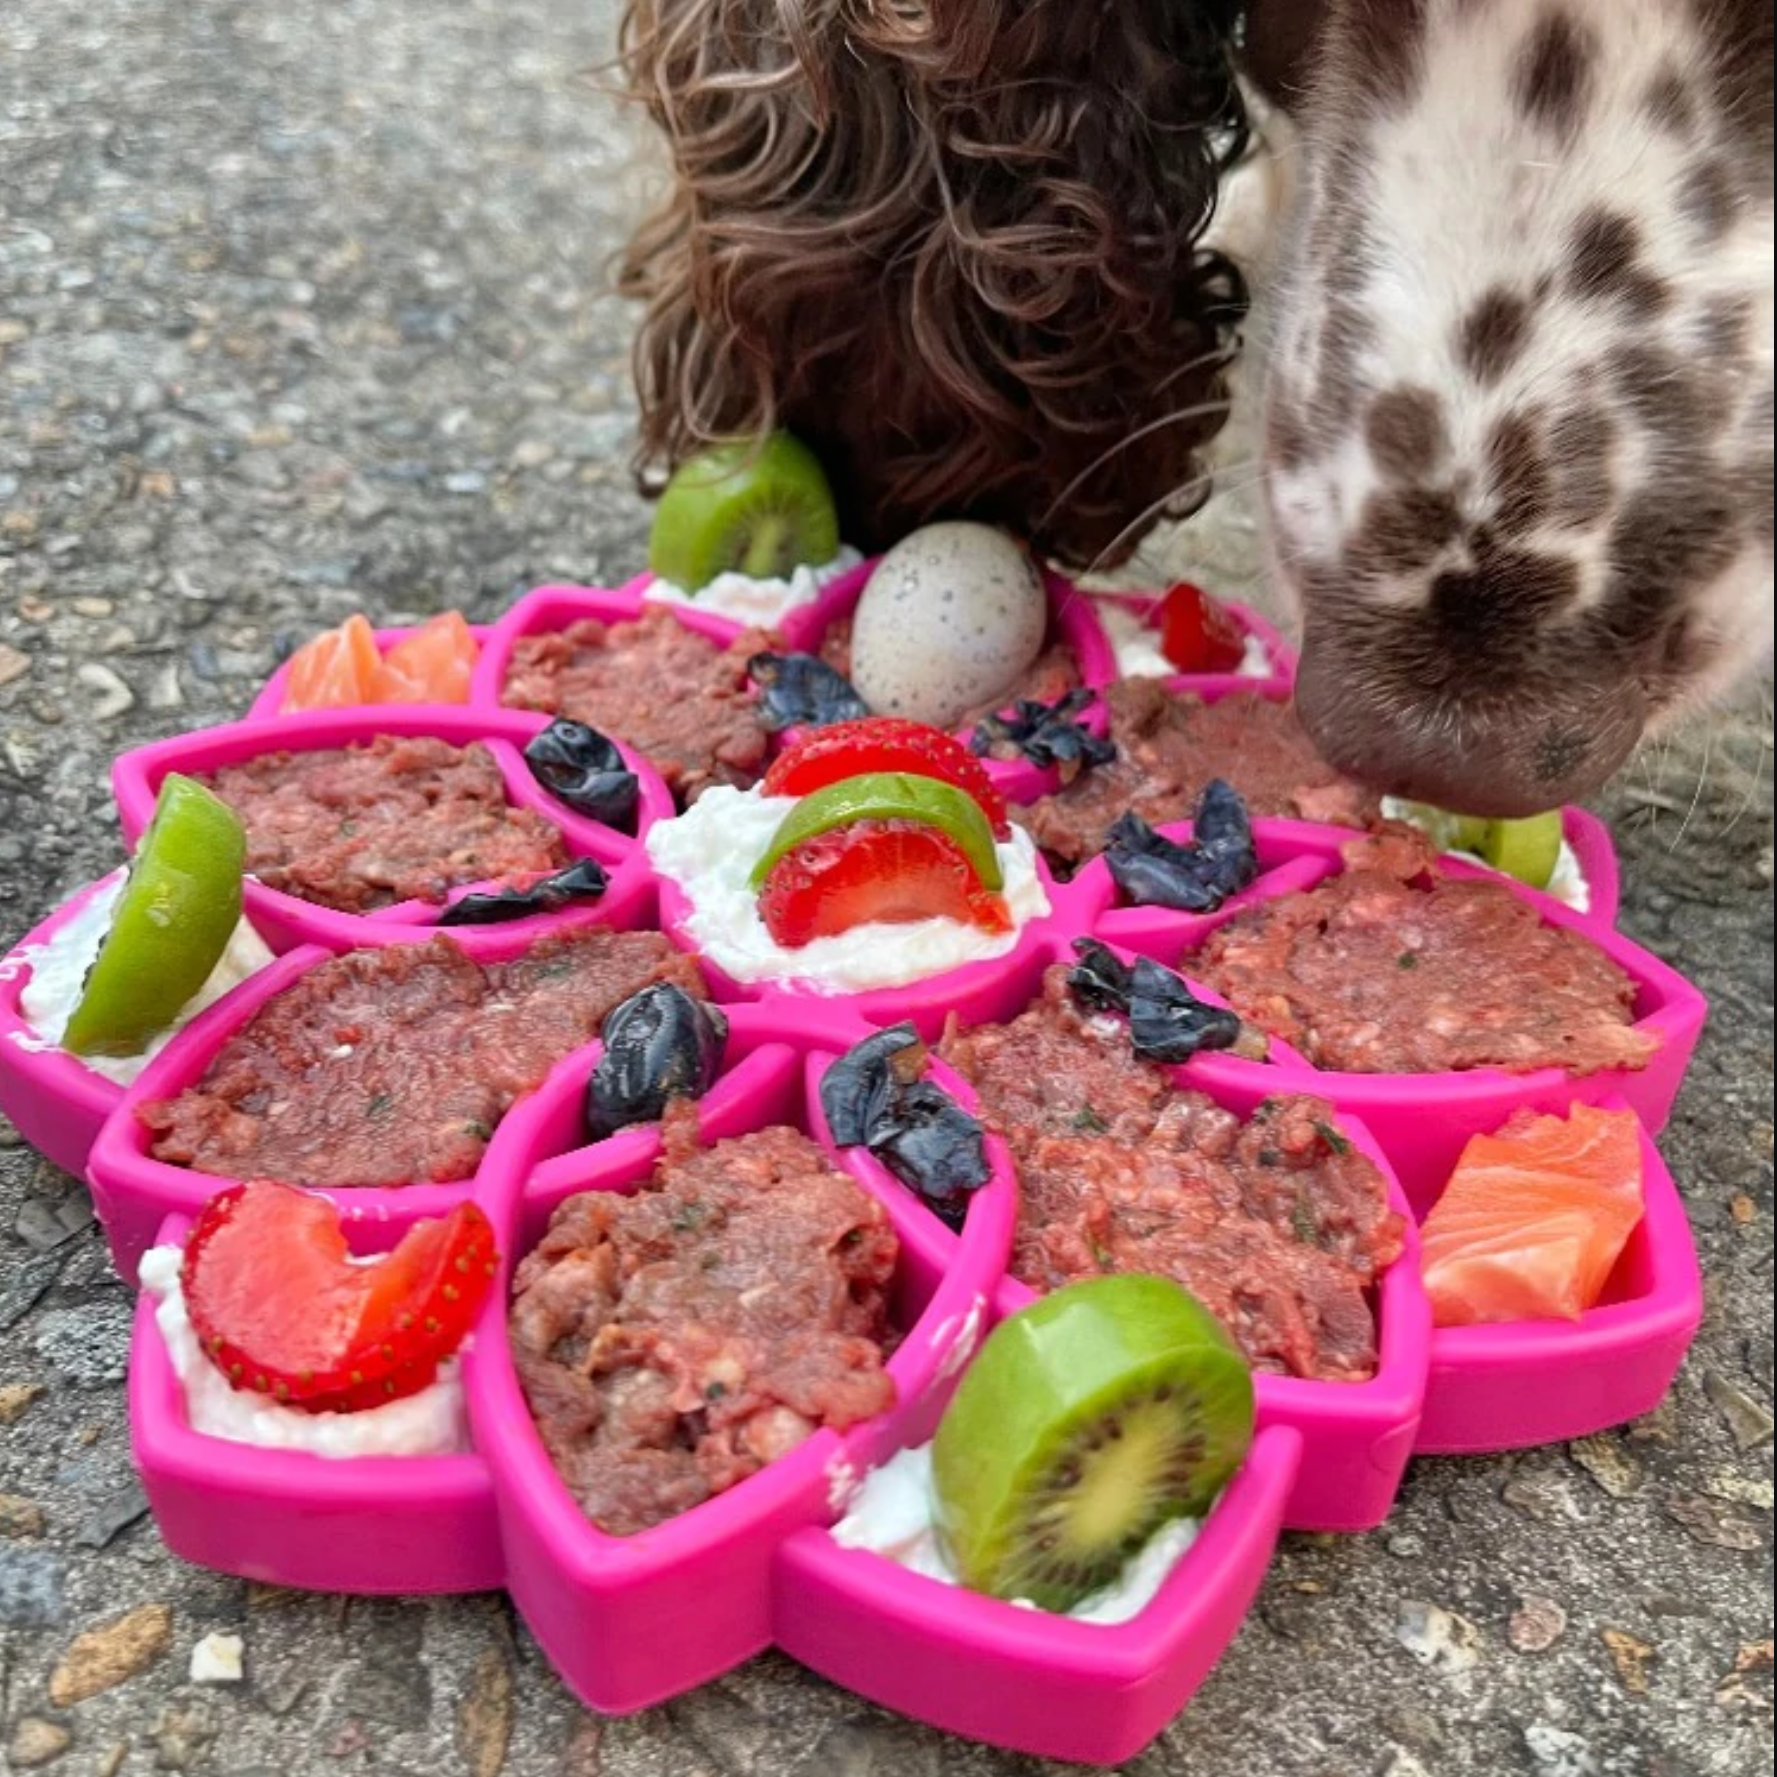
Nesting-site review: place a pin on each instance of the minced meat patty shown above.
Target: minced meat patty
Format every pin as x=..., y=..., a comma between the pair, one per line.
x=672, y=694
x=673, y=1343
x=1170, y=746
x=396, y=819
x=1052, y=675
x=1279, y=1226
x=394, y=1065
x=1391, y=967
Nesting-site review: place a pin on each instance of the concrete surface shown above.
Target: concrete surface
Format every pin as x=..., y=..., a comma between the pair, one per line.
x=298, y=315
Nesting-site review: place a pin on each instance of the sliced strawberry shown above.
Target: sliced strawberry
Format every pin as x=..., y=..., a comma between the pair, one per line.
x=280, y=1309
x=892, y=871
x=1197, y=635
x=885, y=743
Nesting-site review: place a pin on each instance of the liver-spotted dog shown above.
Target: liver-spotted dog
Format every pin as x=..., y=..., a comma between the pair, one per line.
x=1518, y=413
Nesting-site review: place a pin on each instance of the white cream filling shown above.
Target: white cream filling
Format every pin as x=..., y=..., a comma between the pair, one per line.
x=58, y=974
x=1568, y=884
x=430, y=1423
x=747, y=600
x=1138, y=652
x=893, y=1514
x=710, y=851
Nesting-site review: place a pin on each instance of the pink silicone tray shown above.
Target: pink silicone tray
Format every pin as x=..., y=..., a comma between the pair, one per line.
x=683, y=1602
x=285, y=920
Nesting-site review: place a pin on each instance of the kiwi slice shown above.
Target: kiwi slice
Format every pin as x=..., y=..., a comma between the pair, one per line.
x=1448, y=832
x=1085, y=1424
x=1529, y=849
x=759, y=507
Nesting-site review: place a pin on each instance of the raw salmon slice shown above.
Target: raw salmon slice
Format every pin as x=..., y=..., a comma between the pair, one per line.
x=430, y=666
x=337, y=669
x=1534, y=1218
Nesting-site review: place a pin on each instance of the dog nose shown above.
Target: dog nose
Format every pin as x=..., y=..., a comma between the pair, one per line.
x=1517, y=755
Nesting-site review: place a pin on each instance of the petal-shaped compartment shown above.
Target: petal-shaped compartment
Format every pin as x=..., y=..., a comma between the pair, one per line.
x=672, y=683
x=1090, y=1693
x=363, y=1524
x=1130, y=622
x=287, y=918
x=436, y=1092
x=629, y=1620
x=270, y=701
x=1234, y=728
x=54, y=1099
x=1509, y=1386
x=1424, y=1120
x=1357, y=1436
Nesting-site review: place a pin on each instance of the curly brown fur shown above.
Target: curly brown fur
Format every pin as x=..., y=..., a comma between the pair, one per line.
x=951, y=243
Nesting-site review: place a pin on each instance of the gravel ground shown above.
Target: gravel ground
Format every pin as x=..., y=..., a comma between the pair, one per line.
x=299, y=315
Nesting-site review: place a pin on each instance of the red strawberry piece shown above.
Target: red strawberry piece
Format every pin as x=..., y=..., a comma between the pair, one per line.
x=280, y=1308
x=1197, y=635
x=885, y=743
x=892, y=871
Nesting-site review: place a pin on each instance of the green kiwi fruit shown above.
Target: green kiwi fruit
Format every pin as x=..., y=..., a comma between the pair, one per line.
x=1085, y=1424
x=759, y=507
x=1529, y=849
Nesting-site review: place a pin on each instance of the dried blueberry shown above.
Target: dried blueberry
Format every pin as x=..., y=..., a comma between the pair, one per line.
x=584, y=880
x=1049, y=735
x=660, y=1044
x=1219, y=861
x=873, y=1098
x=1100, y=980
x=802, y=691
x=1167, y=1021
x=579, y=766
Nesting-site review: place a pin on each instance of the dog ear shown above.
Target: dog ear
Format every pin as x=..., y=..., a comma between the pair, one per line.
x=1280, y=47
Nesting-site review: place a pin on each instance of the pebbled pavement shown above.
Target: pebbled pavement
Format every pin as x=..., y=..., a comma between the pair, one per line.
x=300, y=313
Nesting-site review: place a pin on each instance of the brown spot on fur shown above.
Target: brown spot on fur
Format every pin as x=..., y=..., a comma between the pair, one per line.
x=1403, y=531
x=1660, y=388
x=1557, y=753
x=1493, y=334
x=1606, y=264
x=1721, y=328
x=1404, y=430
x=1507, y=591
x=1673, y=535
x=1707, y=199
x=1580, y=448
x=1553, y=74
x=1381, y=50
x=1669, y=104
x=1519, y=471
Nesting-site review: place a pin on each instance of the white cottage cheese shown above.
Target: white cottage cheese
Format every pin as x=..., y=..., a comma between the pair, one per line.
x=893, y=1514
x=1138, y=651
x=710, y=851
x=58, y=973
x=1567, y=885
x=747, y=600
x=430, y=1423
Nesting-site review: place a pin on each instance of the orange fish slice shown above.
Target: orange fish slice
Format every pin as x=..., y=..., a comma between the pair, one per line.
x=337, y=669
x=430, y=666
x=1534, y=1218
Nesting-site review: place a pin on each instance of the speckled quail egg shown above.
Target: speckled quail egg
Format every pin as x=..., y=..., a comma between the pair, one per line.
x=952, y=618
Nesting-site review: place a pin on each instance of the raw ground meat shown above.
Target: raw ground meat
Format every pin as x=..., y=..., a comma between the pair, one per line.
x=672, y=694
x=1051, y=675
x=1392, y=967
x=1279, y=1226
x=673, y=1343
x=1169, y=746
x=396, y=819
x=393, y=1066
